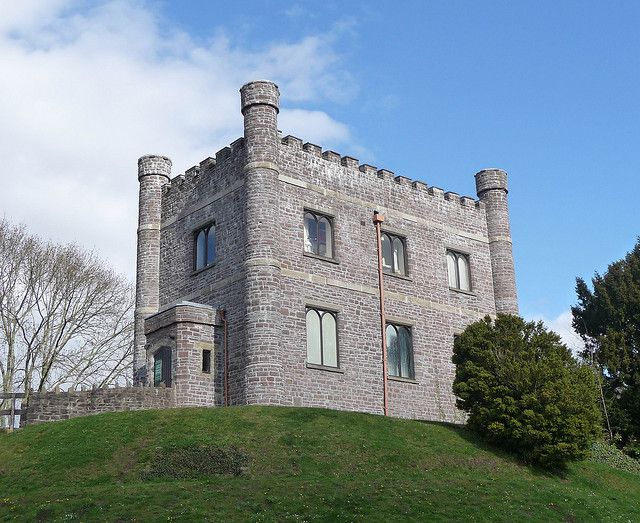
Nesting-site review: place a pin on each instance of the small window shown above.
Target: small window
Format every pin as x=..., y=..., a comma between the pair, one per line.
x=205, y=247
x=318, y=234
x=162, y=367
x=322, y=338
x=394, y=260
x=399, y=351
x=459, y=271
x=206, y=361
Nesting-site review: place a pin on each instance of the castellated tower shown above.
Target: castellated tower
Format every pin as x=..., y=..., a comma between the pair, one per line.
x=153, y=172
x=258, y=276
x=491, y=186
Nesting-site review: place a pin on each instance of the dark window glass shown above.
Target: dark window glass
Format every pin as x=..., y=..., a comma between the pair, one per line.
x=205, y=247
x=393, y=254
x=322, y=338
x=162, y=367
x=399, y=351
x=318, y=234
x=459, y=271
x=206, y=361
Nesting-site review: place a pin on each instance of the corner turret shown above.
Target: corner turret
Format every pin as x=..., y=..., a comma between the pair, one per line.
x=491, y=186
x=263, y=374
x=153, y=172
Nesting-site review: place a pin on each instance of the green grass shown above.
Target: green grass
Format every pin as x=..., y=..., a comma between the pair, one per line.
x=297, y=465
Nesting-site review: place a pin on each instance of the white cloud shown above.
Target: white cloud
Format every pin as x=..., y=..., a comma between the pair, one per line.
x=313, y=126
x=561, y=325
x=85, y=93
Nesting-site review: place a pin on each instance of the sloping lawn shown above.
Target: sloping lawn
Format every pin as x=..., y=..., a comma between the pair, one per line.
x=287, y=464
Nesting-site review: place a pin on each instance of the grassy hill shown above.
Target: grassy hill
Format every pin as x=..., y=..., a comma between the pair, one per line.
x=285, y=464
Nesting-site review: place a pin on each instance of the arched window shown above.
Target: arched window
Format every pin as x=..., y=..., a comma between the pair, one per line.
x=162, y=367
x=399, y=351
x=322, y=338
x=318, y=234
x=205, y=247
x=394, y=259
x=459, y=271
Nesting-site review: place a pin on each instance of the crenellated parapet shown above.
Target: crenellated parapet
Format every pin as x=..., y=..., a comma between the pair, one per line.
x=212, y=173
x=416, y=190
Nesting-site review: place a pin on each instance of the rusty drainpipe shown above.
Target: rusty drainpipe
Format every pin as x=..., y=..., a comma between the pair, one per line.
x=226, y=358
x=377, y=221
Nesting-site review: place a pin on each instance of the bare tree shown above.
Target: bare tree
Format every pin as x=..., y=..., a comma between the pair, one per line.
x=65, y=317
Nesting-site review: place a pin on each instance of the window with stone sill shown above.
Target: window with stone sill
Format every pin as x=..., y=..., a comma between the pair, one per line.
x=394, y=259
x=318, y=234
x=322, y=337
x=399, y=351
x=205, y=247
x=459, y=271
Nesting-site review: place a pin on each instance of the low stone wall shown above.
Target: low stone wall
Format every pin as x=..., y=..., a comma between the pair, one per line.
x=53, y=406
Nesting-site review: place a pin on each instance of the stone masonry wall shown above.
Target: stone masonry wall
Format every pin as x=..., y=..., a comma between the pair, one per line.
x=431, y=221
x=214, y=192
x=54, y=406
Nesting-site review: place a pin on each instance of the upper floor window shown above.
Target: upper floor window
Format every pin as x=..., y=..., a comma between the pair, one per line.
x=394, y=259
x=318, y=234
x=399, y=351
x=205, y=243
x=322, y=338
x=459, y=271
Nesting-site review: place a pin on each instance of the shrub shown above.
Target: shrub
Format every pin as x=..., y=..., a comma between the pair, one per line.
x=611, y=455
x=195, y=461
x=524, y=391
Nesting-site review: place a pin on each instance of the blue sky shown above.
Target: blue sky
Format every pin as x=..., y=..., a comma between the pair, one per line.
x=434, y=91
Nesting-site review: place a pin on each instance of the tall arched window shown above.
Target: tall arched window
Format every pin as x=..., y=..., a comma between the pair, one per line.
x=322, y=338
x=394, y=258
x=318, y=234
x=162, y=367
x=399, y=351
x=459, y=271
x=205, y=247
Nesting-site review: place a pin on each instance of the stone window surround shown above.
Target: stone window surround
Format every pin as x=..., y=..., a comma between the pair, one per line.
x=205, y=226
x=163, y=353
x=393, y=233
x=397, y=322
x=331, y=218
x=206, y=369
x=468, y=254
x=335, y=311
x=165, y=341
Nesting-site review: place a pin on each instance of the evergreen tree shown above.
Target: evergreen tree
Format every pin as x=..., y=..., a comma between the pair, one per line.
x=608, y=319
x=524, y=391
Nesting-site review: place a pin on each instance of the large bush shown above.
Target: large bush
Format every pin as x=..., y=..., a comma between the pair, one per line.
x=524, y=391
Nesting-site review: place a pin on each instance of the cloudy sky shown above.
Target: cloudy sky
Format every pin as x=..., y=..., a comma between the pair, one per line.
x=430, y=90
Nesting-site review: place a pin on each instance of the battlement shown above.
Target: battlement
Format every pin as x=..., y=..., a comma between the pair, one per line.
x=414, y=188
x=183, y=183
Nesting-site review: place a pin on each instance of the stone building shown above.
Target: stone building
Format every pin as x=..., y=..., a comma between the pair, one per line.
x=258, y=276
